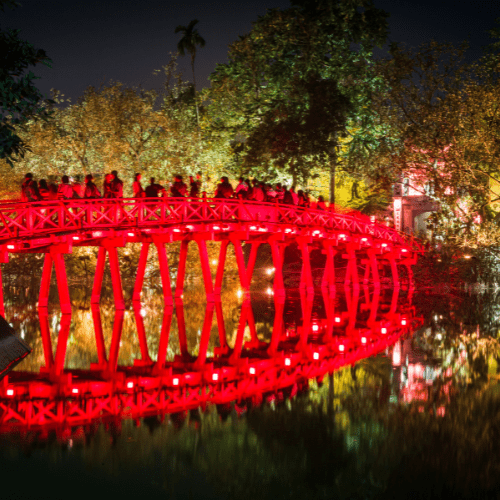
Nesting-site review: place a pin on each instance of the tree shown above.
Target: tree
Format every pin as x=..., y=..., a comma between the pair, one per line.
x=20, y=99
x=292, y=84
x=188, y=43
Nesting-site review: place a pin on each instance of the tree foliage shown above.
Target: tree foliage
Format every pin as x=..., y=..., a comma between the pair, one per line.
x=19, y=98
x=294, y=81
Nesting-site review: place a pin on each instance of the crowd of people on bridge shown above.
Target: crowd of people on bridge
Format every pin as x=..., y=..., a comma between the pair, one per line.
x=253, y=190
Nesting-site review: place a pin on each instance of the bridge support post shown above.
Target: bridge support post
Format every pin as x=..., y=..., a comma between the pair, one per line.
x=99, y=337
x=251, y=261
x=205, y=269
x=164, y=273
x=141, y=269
x=46, y=340
x=351, y=276
x=181, y=270
x=328, y=280
x=394, y=269
x=372, y=266
x=220, y=267
x=279, y=306
x=277, y=253
x=114, y=349
x=205, y=336
x=4, y=258
x=240, y=260
x=111, y=249
x=164, y=338
x=62, y=344
x=181, y=328
x=306, y=278
x=54, y=257
x=141, y=333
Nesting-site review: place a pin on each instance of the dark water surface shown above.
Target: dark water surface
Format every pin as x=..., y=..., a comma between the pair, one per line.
x=420, y=419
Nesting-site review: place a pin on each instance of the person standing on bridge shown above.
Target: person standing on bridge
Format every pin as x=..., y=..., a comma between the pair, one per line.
x=178, y=189
x=107, y=191
x=29, y=191
x=153, y=190
x=194, y=186
x=65, y=190
x=116, y=185
x=138, y=191
x=91, y=190
x=242, y=188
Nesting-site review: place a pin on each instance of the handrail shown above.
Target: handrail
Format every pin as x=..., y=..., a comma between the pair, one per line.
x=40, y=217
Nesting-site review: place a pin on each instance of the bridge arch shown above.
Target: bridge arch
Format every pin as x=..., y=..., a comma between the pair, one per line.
x=55, y=227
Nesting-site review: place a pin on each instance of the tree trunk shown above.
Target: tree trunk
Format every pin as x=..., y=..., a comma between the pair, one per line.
x=195, y=100
x=333, y=166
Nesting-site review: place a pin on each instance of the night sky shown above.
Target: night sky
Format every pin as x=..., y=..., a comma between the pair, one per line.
x=91, y=41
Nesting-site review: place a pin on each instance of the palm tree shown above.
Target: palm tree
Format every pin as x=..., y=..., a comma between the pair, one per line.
x=190, y=39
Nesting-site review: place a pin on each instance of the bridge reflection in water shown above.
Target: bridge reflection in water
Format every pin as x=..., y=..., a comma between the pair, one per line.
x=309, y=339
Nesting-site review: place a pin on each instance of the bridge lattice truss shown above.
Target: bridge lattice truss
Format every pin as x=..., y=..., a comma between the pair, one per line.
x=59, y=398
x=55, y=227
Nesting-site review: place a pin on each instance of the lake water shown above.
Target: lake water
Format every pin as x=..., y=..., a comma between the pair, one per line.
x=370, y=395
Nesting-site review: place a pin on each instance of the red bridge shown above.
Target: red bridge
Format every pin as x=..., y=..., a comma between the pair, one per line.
x=55, y=227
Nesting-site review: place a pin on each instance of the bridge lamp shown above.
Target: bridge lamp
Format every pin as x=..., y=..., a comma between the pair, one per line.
x=76, y=238
x=363, y=340
x=383, y=330
x=176, y=230
x=316, y=233
x=403, y=322
x=343, y=237
x=315, y=327
x=215, y=377
x=10, y=392
x=338, y=319
x=404, y=250
x=11, y=247
x=75, y=390
x=384, y=245
x=288, y=361
x=288, y=230
x=253, y=228
x=341, y=347
x=130, y=385
x=364, y=240
x=251, y=370
x=175, y=381
x=189, y=228
x=131, y=235
x=216, y=228
x=316, y=355
x=263, y=229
